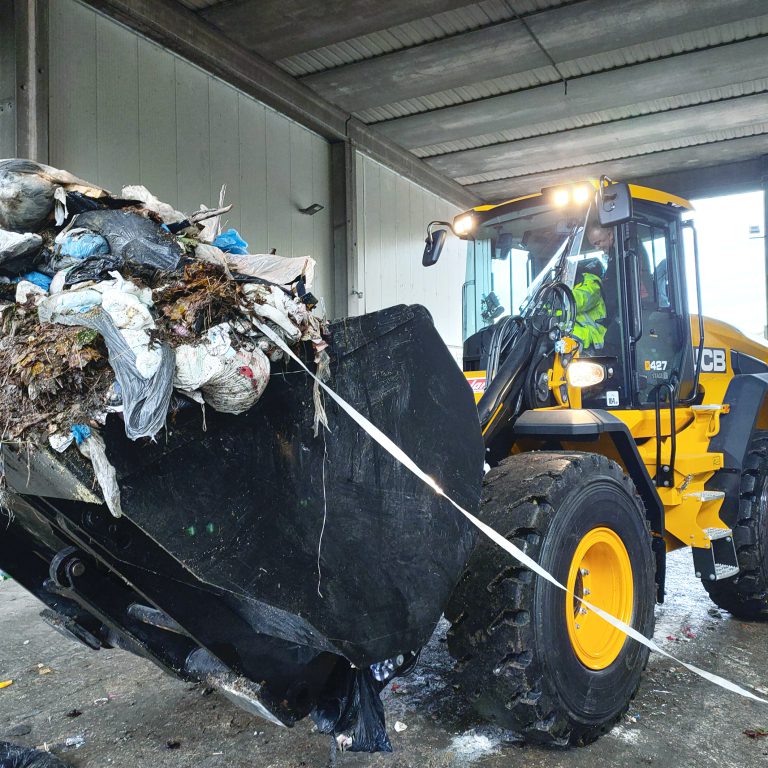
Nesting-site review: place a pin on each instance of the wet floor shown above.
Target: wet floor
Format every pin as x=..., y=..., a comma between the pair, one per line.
x=124, y=712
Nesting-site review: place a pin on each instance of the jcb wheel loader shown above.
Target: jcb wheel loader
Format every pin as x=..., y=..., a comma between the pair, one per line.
x=618, y=427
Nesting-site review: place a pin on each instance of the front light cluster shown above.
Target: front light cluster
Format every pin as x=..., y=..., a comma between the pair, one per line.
x=584, y=373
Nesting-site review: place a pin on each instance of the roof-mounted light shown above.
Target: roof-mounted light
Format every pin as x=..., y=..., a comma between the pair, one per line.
x=463, y=224
x=569, y=195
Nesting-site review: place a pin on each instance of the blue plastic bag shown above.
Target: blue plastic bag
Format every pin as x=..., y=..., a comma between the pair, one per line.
x=231, y=242
x=83, y=244
x=38, y=278
x=81, y=432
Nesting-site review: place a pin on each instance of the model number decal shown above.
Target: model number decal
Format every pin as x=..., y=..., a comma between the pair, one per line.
x=655, y=365
x=713, y=360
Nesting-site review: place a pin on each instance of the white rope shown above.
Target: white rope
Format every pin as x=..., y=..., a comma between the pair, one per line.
x=497, y=538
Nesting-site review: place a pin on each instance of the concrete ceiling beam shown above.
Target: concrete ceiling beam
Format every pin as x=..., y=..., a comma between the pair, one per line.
x=667, y=78
x=606, y=140
x=275, y=29
x=567, y=33
x=629, y=169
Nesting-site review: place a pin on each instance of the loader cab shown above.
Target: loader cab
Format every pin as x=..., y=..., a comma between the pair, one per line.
x=643, y=339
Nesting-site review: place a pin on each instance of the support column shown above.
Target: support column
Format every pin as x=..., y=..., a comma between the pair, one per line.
x=347, y=296
x=31, y=25
x=7, y=80
x=764, y=164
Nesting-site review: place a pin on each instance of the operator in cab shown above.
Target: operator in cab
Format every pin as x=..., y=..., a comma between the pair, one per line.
x=589, y=327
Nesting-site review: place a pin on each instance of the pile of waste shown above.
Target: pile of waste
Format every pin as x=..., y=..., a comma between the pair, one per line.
x=121, y=304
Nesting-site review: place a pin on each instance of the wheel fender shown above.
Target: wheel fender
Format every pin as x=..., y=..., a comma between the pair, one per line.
x=746, y=394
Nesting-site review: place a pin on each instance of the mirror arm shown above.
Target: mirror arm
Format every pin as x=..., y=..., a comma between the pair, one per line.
x=439, y=223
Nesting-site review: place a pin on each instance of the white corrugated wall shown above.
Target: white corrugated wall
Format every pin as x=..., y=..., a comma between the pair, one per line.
x=393, y=214
x=125, y=111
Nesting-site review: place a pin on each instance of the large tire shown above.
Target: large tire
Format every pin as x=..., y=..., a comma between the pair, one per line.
x=516, y=661
x=746, y=595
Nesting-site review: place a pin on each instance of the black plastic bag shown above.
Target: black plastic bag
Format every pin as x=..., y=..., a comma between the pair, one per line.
x=77, y=202
x=12, y=756
x=92, y=269
x=19, y=251
x=351, y=704
x=133, y=238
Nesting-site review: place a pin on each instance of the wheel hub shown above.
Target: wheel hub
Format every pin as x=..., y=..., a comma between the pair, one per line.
x=601, y=574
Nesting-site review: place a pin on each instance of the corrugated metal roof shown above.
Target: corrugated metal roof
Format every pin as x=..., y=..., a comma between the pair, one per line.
x=409, y=35
x=595, y=118
x=198, y=5
x=757, y=129
x=656, y=49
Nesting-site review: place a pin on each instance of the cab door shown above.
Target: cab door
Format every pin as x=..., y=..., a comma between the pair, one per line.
x=658, y=322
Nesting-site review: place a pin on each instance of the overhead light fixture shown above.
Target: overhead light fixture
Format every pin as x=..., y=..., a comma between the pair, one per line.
x=311, y=210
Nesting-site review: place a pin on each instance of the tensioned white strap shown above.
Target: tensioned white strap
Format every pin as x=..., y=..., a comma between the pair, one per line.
x=497, y=538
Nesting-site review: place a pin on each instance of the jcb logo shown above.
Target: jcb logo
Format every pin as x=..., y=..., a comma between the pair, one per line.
x=713, y=360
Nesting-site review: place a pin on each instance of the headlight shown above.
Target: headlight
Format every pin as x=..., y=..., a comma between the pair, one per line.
x=561, y=197
x=463, y=225
x=583, y=373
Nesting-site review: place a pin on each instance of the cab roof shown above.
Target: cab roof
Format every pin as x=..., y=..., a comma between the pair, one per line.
x=638, y=192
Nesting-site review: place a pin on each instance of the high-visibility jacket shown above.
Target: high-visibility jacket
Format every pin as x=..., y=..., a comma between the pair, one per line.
x=590, y=310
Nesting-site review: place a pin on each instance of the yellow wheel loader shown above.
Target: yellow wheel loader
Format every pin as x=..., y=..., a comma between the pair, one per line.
x=618, y=427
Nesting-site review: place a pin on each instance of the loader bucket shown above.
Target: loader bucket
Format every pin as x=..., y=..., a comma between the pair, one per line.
x=252, y=554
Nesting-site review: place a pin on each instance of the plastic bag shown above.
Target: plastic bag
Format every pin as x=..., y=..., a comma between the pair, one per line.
x=230, y=381
x=231, y=242
x=25, y=289
x=80, y=243
x=93, y=448
x=145, y=400
x=133, y=238
x=19, y=251
x=92, y=269
x=351, y=704
x=141, y=194
x=12, y=756
x=36, y=278
x=282, y=270
x=28, y=189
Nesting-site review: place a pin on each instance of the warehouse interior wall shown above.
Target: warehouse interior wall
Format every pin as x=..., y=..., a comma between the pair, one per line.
x=125, y=111
x=7, y=81
x=392, y=218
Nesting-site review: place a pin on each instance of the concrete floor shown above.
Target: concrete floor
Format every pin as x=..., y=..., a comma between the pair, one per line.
x=133, y=715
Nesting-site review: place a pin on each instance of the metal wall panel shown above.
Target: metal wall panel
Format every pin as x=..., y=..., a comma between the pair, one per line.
x=125, y=111
x=7, y=81
x=393, y=214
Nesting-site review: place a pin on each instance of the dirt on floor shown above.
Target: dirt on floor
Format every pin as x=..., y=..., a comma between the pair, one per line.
x=119, y=710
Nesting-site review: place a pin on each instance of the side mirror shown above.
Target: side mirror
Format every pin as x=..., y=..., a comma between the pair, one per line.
x=433, y=246
x=613, y=202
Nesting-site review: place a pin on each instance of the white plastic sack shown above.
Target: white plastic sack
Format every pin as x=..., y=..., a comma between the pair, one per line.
x=282, y=270
x=230, y=381
x=166, y=212
x=25, y=289
x=18, y=250
x=93, y=448
x=68, y=304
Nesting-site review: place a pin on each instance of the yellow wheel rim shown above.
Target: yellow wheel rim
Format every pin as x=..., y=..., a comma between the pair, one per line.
x=601, y=573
